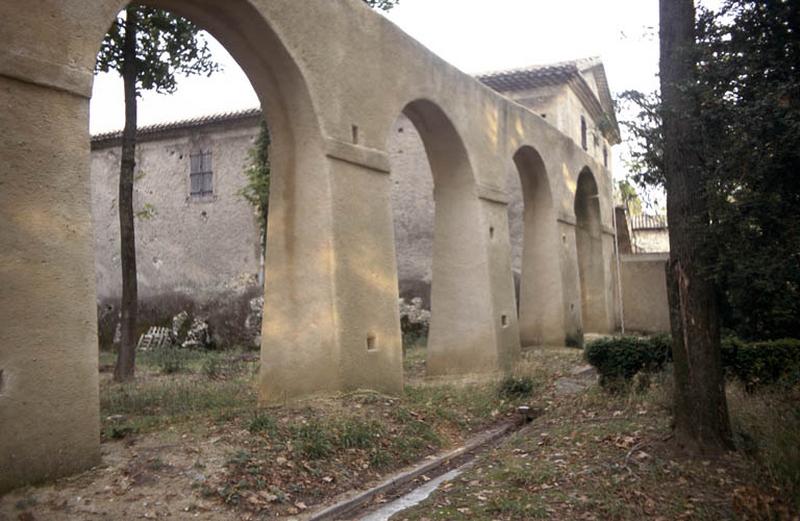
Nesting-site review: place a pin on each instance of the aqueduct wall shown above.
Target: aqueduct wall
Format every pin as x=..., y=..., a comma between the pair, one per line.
x=333, y=78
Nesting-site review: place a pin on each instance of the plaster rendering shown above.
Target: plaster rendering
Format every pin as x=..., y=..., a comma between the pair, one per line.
x=333, y=77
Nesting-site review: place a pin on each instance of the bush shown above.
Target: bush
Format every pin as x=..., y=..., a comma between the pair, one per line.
x=762, y=363
x=514, y=388
x=753, y=363
x=620, y=359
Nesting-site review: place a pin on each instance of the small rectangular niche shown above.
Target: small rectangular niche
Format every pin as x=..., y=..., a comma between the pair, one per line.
x=355, y=134
x=491, y=232
x=372, y=342
x=504, y=320
x=2, y=382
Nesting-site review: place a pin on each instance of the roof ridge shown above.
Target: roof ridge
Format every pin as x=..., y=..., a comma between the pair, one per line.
x=180, y=123
x=539, y=66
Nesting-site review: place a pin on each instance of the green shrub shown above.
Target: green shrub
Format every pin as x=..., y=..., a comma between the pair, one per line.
x=762, y=363
x=755, y=364
x=514, y=388
x=620, y=359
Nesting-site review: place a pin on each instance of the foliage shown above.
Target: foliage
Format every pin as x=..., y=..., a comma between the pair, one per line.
x=384, y=5
x=620, y=359
x=758, y=364
x=257, y=173
x=644, y=137
x=513, y=387
x=754, y=364
x=166, y=46
x=630, y=198
x=748, y=96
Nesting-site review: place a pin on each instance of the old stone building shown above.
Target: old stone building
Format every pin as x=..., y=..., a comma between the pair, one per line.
x=649, y=233
x=198, y=239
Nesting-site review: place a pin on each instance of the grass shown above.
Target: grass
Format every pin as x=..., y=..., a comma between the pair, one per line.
x=164, y=396
x=309, y=451
x=766, y=425
x=593, y=455
x=598, y=455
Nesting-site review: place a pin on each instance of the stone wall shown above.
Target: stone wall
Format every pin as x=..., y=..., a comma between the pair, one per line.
x=651, y=241
x=184, y=244
x=193, y=253
x=413, y=210
x=644, y=292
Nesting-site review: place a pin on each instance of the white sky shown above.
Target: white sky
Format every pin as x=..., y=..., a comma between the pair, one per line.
x=474, y=35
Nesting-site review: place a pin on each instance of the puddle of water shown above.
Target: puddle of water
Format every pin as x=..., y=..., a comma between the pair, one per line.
x=415, y=497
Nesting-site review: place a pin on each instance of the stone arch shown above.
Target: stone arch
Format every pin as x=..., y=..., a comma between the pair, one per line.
x=58, y=343
x=458, y=336
x=540, y=294
x=589, y=247
x=298, y=166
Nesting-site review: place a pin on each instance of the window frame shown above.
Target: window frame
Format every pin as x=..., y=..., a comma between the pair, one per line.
x=584, y=134
x=201, y=170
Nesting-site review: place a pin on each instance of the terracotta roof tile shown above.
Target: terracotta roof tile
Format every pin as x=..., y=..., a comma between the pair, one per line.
x=200, y=121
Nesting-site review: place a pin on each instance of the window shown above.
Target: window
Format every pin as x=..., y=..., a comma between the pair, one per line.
x=201, y=175
x=605, y=157
x=584, y=142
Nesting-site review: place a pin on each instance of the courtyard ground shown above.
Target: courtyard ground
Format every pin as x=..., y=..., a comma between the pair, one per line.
x=187, y=441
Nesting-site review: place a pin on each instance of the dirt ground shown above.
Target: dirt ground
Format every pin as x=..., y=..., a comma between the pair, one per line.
x=199, y=448
x=154, y=477
x=594, y=456
x=215, y=456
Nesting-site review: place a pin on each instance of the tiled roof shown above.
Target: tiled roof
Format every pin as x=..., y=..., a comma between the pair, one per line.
x=571, y=73
x=535, y=75
x=649, y=222
x=161, y=128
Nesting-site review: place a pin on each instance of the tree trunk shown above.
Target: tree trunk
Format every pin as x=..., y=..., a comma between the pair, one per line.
x=701, y=412
x=126, y=358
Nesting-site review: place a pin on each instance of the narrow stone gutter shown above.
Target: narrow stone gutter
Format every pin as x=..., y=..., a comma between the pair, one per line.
x=452, y=463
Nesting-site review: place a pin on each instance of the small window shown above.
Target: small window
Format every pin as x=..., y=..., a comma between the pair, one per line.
x=605, y=157
x=584, y=141
x=201, y=175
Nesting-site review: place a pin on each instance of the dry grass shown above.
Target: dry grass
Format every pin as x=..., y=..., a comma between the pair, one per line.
x=597, y=456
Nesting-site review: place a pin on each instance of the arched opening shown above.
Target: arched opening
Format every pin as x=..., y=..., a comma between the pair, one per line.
x=52, y=406
x=534, y=242
x=437, y=242
x=413, y=210
x=589, y=245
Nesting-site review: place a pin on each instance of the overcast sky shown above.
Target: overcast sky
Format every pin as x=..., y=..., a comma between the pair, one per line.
x=474, y=35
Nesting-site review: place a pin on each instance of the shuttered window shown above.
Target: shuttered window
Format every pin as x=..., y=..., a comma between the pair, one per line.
x=201, y=175
x=584, y=140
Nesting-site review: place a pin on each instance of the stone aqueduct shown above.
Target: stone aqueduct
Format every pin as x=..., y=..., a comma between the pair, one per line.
x=333, y=77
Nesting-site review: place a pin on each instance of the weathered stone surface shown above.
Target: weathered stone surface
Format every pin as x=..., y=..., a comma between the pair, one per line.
x=331, y=320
